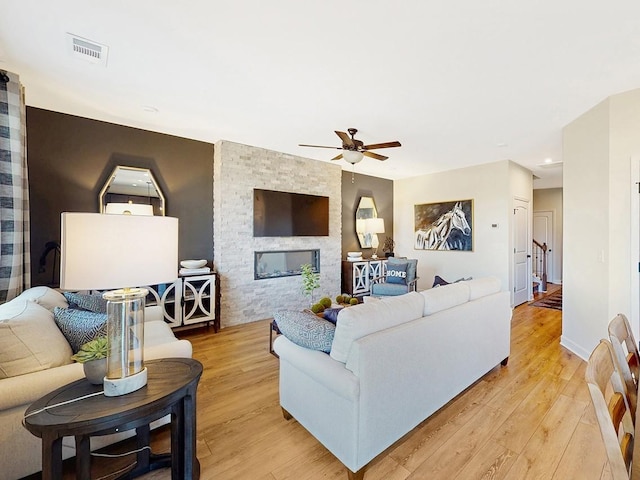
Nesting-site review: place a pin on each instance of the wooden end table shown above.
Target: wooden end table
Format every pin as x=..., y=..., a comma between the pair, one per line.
x=171, y=389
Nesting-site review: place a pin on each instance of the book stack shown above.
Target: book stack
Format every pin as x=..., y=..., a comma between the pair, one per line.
x=354, y=256
x=194, y=271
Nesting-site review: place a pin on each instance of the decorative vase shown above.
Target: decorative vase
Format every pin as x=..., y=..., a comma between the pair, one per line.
x=95, y=370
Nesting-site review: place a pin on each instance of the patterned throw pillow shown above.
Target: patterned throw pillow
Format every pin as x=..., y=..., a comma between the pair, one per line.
x=80, y=326
x=397, y=274
x=91, y=302
x=306, y=329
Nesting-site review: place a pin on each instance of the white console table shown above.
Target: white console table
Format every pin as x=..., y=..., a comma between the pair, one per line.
x=357, y=276
x=189, y=300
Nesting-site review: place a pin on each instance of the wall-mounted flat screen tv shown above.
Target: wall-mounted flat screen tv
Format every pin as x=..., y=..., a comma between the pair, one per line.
x=285, y=214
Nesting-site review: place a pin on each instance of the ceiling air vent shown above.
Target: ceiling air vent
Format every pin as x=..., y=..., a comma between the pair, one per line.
x=88, y=50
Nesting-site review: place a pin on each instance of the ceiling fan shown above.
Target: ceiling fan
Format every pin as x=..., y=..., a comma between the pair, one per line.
x=353, y=150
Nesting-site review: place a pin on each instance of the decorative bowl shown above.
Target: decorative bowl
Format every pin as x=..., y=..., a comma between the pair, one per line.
x=193, y=263
x=354, y=254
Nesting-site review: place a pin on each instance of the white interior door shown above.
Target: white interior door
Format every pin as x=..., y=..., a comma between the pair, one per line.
x=543, y=233
x=521, y=255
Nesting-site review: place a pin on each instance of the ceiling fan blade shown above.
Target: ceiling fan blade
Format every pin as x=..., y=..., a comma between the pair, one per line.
x=338, y=157
x=373, y=146
x=318, y=146
x=346, y=139
x=374, y=155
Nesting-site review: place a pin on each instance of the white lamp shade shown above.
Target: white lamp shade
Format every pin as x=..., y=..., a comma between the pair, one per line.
x=129, y=208
x=374, y=225
x=101, y=251
x=352, y=156
x=360, y=225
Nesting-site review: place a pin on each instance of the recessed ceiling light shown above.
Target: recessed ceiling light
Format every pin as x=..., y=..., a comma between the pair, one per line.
x=149, y=108
x=502, y=144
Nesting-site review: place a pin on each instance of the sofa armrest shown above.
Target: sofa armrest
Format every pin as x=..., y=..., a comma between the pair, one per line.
x=153, y=313
x=412, y=285
x=26, y=389
x=319, y=366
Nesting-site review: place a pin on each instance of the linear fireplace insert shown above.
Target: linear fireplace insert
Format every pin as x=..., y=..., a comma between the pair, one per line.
x=284, y=263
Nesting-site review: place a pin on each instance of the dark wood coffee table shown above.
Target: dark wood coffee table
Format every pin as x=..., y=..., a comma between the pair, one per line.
x=171, y=389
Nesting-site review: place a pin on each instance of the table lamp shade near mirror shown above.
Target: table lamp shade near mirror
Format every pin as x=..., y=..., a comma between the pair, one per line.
x=122, y=252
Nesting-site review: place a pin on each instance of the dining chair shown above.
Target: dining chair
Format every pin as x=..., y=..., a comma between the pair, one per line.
x=625, y=349
x=612, y=411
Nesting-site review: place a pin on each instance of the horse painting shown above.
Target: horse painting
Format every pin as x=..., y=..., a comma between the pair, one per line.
x=450, y=230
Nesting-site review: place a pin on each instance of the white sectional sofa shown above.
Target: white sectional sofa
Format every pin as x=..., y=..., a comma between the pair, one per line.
x=29, y=334
x=393, y=363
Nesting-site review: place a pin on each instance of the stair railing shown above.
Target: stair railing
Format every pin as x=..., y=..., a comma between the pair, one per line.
x=539, y=266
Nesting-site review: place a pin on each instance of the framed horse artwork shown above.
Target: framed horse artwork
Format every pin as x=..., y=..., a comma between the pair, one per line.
x=444, y=226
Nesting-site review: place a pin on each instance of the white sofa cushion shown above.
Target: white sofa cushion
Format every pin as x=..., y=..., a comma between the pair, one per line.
x=29, y=339
x=481, y=287
x=443, y=297
x=45, y=296
x=360, y=320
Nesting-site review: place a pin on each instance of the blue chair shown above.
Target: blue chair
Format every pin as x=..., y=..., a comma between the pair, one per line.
x=400, y=278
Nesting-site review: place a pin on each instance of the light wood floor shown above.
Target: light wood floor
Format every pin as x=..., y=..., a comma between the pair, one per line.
x=531, y=419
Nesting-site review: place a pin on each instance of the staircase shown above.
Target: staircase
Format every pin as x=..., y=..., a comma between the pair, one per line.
x=539, y=266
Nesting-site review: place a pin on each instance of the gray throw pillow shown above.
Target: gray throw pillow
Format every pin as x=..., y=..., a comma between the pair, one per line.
x=306, y=329
x=397, y=274
x=80, y=326
x=91, y=302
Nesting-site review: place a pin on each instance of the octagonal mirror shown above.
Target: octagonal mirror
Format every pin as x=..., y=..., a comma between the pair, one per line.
x=131, y=190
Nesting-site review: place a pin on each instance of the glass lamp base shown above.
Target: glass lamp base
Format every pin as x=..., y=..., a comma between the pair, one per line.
x=114, y=387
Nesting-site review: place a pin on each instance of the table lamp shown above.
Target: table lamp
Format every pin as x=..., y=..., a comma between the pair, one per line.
x=106, y=251
x=373, y=226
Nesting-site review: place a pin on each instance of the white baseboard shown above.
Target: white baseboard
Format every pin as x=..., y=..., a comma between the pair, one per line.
x=575, y=348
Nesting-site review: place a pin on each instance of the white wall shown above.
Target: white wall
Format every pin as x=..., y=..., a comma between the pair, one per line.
x=492, y=188
x=238, y=169
x=550, y=199
x=598, y=186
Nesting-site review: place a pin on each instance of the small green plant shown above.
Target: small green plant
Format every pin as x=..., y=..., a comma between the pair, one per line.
x=310, y=280
x=93, y=350
x=317, y=308
x=325, y=302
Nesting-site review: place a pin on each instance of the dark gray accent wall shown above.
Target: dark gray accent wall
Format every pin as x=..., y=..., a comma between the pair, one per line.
x=70, y=158
x=381, y=190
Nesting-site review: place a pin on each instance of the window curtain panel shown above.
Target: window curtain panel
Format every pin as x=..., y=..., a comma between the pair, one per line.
x=15, y=257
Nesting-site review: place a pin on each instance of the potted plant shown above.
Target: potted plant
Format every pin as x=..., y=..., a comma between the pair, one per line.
x=388, y=246
x=310, y=281
x=93, y=356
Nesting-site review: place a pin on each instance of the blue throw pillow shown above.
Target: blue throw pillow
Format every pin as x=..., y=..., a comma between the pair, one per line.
x=306, y=329
x=438, y=281
x=331, y=314
x=80, y=326
x=91, y=302
x=397, y=274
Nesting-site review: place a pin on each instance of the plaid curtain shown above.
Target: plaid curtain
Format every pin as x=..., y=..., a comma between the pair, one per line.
x=15, y=257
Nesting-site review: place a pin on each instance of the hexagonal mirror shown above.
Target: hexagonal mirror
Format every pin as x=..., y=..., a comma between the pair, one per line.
x=131, y=190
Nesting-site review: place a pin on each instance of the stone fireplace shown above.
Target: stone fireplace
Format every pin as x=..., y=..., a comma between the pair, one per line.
x=238, y=169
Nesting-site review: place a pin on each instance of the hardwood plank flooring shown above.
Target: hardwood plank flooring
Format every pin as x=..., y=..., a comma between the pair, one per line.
x=531, y=419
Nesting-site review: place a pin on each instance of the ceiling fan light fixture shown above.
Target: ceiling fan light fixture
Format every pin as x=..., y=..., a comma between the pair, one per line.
x=352, y=156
